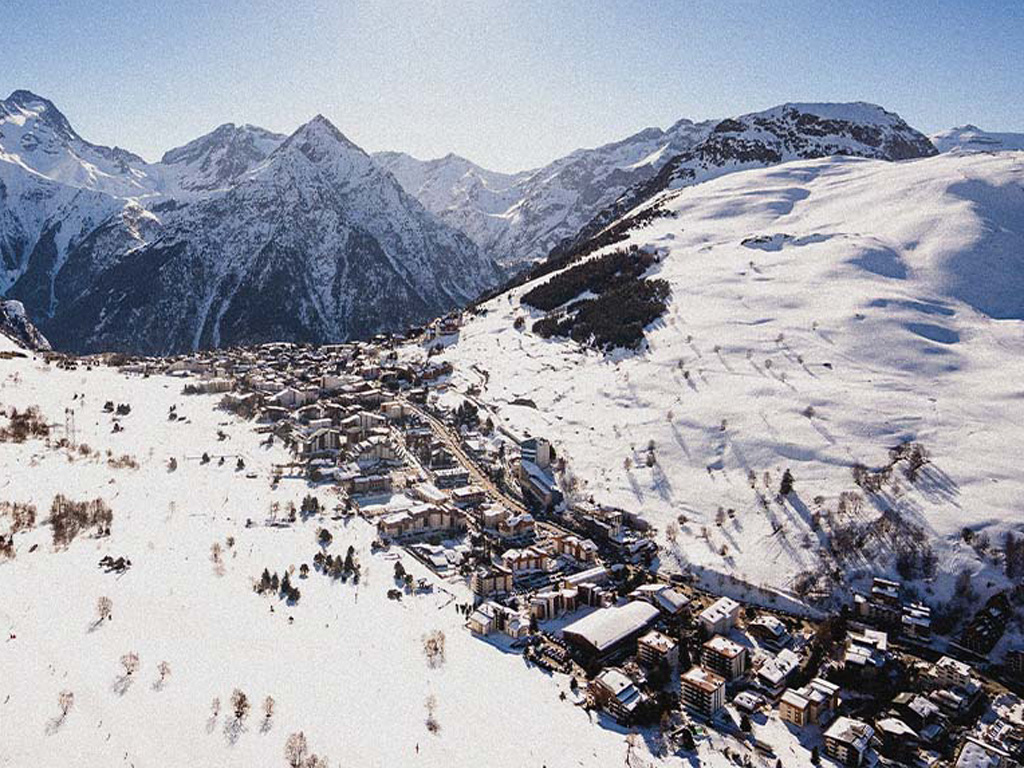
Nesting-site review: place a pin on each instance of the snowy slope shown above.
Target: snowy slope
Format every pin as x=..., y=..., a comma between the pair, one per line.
x=516, y=218
x=108, y=251
x=822, y=311
x=970, y=138
x=345, y=665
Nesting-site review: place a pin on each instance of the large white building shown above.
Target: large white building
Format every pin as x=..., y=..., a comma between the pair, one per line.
x=719, y=617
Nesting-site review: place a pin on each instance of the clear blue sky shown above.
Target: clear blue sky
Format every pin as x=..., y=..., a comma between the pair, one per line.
x=510, y=85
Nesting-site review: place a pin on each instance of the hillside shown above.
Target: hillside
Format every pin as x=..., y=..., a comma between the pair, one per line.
x=340, y=664
x=821, y=313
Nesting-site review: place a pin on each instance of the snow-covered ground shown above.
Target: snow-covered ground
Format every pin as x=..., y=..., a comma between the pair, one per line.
x=345, y=665
x=822, y=311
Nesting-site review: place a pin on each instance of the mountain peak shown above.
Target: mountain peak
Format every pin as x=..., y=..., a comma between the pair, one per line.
x=44, y=109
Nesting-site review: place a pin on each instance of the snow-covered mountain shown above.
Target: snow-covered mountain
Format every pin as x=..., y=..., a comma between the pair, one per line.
x=521, y=217
x=241, y=235
x=517, y=218
x=970, y=138
x=822, y=312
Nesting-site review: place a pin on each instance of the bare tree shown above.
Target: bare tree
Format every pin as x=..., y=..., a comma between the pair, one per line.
x=433, y=648
x=295, y=750
x=163, y=670
x=268, y=713
x=216, y=557
x=316, y=761
x=672, y=532
x=130, y=662
x=215, y=707
x=65, y=701
x=104, y=606
x=240, y=704
x=431, y=722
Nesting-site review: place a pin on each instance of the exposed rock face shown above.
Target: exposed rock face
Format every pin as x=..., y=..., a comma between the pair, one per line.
x=15, y=324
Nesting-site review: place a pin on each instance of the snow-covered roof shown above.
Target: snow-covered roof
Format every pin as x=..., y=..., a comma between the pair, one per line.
x=605, y=627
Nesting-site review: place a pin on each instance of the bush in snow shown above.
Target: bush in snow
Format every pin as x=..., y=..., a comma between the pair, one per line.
x=104, y=606
x=295, y=750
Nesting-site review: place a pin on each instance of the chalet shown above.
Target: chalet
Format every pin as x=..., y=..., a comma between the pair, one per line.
x=570, y=545
x=895, y=739
x=847, y=741
x=616, y=694
x=515, y=527
x=724, y=657
x=703, y=692
x=370, y=484
x=720, y=616
x=794, y=708
x=468, y=496
x=866, y=652
x=809, y=704
x=493, y=617
x=524, y=560
x=419, y=521
x=451, y=478
x=774, y=673
x=769, y=631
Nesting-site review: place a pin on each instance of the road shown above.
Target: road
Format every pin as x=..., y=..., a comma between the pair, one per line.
x=454, y=444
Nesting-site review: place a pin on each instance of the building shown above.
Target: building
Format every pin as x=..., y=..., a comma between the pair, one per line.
x=719, y=617
x=616, y=694
x=977, y=754
x=537, y=451
x=847, y=741
x=493, y=580
x=769, y=631
x=794, y=708
x=655, y=647
x=553, y=602
x=608, y=630
x=724, y=657
x=668, y=599
x=1015, y=662
x=866, y=652
x=524, y=560
x=421, y=520
x=703, y=692
x=774, y=673
x=952, y=672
